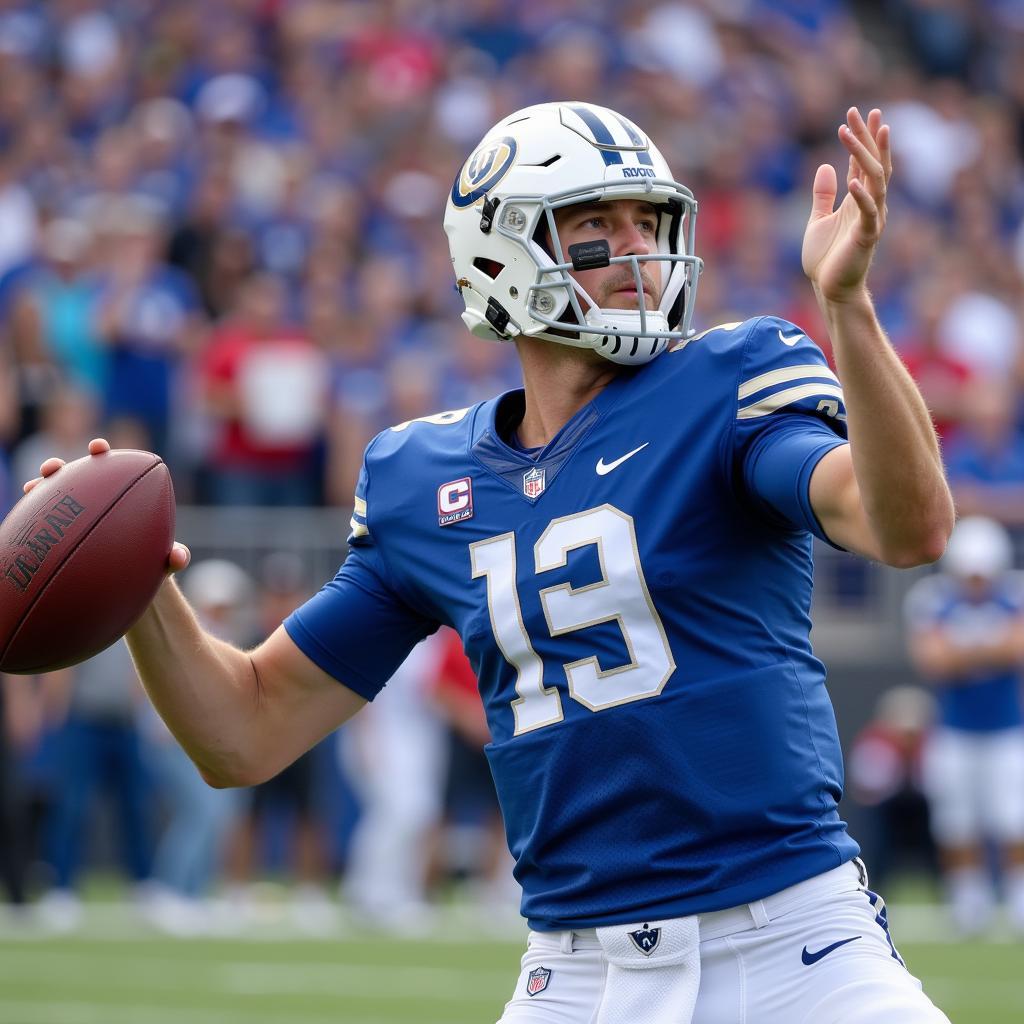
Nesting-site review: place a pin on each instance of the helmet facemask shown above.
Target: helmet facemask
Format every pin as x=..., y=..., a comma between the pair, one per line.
x=624, y=335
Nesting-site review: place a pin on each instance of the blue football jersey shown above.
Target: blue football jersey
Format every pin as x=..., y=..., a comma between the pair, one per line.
x=988, y=699
x=635, y=602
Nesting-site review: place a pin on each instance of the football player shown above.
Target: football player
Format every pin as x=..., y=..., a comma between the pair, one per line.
x=624, y=547
x=966, y=636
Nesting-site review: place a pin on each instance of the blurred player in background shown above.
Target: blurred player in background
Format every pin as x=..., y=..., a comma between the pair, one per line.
x=98, y=750
x=663, y=746
x=394, y=756
x=884, y=775
x=20, y=721
x=473, y=835
x=966, y=637
x=289, y=794
x=189, y=856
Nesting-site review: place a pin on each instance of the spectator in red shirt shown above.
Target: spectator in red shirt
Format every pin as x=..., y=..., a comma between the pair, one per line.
x=942, y=378
x=885, y=780
x=264, y=382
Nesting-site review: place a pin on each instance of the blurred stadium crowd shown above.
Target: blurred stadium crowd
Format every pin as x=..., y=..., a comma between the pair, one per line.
x=220, y=222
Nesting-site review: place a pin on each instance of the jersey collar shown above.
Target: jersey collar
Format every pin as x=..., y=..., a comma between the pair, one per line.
x=503, y=414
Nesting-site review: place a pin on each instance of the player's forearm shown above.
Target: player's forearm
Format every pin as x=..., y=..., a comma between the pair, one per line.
x=204, y=689
x=947, y=663
x=895, y=451
x=1004, y=651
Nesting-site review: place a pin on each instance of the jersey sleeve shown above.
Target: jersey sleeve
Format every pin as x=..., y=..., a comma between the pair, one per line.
x=789, y=412
x=358, y=627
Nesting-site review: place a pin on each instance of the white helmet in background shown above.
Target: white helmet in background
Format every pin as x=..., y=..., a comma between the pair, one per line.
x=217, y=583
x=500, y=218
x=978, y=546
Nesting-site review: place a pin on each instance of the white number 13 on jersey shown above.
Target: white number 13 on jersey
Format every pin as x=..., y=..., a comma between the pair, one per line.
x=620, y=595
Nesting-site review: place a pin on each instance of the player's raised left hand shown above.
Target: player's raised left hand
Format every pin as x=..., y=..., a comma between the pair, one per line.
x=839, y=243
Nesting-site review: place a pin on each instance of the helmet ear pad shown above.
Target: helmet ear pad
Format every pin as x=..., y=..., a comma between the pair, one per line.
x=673, y=299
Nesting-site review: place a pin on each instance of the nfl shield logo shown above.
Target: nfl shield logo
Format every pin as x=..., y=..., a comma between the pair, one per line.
x=533, y=483
x=537, y=981
x=646, y=939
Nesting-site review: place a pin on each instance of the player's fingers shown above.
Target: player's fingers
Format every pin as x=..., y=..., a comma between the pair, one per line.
x=870, y=166
x=50, y=466
x=884, y=138
x=99, y=445
x=179, y=558
x=862, y=129
x=870, y=219
x=823, y=192
x=29, y=484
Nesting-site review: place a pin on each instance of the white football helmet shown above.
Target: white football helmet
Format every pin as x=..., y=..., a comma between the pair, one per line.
x=978, y=546
x=501, y=212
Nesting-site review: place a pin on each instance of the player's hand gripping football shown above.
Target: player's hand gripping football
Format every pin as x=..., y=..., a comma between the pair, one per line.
x=839, y=243
x=179, y=556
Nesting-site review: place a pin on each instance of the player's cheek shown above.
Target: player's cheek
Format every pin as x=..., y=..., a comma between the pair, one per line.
x=591, y=282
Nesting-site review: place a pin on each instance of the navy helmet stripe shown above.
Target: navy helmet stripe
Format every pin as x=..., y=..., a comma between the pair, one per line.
x=642, y=155
x=602, y=136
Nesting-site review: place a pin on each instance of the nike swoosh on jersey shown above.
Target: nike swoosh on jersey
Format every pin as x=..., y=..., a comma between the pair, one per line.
x=790, y=339
x=603, y=467
x=812, y=958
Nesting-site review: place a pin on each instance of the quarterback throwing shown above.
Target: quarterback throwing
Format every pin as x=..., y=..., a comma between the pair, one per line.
x=624, y=547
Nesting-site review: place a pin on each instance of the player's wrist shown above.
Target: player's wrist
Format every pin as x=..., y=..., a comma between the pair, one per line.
x=847, y=311
x=842, y=299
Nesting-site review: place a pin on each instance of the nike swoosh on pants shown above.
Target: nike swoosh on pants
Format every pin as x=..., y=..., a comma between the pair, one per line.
x=812, y=958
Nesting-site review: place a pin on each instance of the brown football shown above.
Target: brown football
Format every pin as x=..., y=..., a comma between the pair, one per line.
x=81, y=556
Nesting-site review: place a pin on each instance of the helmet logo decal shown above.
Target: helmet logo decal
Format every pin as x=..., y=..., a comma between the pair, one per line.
x=483, y=170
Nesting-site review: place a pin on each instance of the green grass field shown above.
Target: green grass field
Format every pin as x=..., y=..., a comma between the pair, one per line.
x=452, y=978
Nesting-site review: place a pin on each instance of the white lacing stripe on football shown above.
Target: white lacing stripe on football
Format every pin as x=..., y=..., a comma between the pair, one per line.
x=766, y=406
x=806, y=371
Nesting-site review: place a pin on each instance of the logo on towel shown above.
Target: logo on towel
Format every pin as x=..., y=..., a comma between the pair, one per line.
x=537, y=980
x=646, y=939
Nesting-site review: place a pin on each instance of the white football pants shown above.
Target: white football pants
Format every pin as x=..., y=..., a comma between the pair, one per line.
x=975, y=785
x=816, y=953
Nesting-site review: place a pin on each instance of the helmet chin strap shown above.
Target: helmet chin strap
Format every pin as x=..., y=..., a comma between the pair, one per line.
x=623, y=336
x=625, y=345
